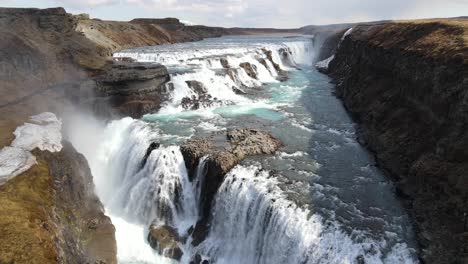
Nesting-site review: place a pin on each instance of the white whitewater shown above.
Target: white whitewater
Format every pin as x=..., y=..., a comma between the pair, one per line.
x=137, y=194
x=205, y=66
x=254, y=220
x=323, y=65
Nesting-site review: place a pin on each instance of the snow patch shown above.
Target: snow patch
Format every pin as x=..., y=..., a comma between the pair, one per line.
x=14, y=161
x=44, y=133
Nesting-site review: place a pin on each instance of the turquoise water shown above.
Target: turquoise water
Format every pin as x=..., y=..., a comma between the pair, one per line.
x=321, y=167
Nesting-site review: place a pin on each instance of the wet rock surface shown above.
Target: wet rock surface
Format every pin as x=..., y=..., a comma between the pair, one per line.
x=165, y=240
x=249, y=69
x=282, y=75
x=225, y=151
x=85, y=232
x=201, y=100
x=407, y=89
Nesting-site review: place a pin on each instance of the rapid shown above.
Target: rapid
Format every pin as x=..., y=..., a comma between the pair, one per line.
x=320, y=199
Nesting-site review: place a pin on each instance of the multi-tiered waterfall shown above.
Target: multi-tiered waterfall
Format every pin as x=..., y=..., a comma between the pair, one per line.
x=319, y=200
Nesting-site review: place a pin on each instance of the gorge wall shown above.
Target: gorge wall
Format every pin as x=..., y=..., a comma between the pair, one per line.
x=406, y=84
x=49, y=60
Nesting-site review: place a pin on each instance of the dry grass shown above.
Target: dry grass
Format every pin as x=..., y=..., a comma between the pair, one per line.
x=6, y=131
x=444, y=39
x=26, y=230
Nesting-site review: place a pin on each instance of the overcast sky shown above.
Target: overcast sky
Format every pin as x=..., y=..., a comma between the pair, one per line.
x=257, y=13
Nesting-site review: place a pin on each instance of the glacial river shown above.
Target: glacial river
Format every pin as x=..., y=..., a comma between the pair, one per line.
x=319, y=199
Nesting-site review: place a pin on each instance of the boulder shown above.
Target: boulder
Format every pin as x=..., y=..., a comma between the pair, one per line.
x=203, y=101
x=225, y=151
x=224, y=63
x=166, y=241
x=250, y=69
x=197, y=87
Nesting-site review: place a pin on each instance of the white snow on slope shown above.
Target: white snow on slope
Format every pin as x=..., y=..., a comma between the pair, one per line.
x=44, y=133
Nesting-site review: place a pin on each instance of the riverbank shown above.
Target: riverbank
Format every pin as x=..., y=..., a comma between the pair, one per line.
x=405, y=83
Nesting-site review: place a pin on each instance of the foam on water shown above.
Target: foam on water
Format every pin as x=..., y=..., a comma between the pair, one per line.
x=258, y=216
x=203, y=63
x=254, y=222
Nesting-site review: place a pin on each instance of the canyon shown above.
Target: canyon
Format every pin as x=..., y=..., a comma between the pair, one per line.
x=402, y=82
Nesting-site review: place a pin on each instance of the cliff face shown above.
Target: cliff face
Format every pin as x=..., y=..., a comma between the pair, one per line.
x=50, y=59
x=50, y=214
x=113, y=35
x=129, y=89
x=406, y=84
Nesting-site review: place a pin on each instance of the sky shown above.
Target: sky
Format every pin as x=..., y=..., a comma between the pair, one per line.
x=257, y=13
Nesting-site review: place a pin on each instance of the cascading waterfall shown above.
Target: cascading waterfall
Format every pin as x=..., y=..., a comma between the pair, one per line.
x=219, y=70
x=156, y=192
x=254, y=219
x=254, y=222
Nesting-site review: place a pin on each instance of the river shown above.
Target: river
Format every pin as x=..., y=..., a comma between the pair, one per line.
x=320, y=199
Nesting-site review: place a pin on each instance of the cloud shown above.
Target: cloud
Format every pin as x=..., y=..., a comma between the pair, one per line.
x=260, y=13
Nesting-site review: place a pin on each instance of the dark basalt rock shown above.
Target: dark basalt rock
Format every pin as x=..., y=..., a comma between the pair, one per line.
x=269, y=55
x=85, y=234
x=225, y=63
x=132, y=89
x=203, y=101
x=282, y=75
x=407, y=89
x=199, y=260
x=165, y=240
x=238, y=91
x=250, y=69
x=225, y=151
x=197, y=87
x=152, y=146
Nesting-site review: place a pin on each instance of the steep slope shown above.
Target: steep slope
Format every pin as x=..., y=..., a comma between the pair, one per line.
x=117, y=35
x=406, y=84
x=50, y=214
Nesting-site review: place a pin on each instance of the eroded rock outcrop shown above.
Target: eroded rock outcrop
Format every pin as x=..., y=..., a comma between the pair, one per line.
x=249, y=69
x=407, y=87
x=282, y=75
x=224, y=151
x=63, y=220
x=85, y=234
x=166, y=241
x=130, y=88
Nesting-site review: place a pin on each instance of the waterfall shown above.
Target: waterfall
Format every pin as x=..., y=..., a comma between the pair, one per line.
x=254, y=222
x=323, y=65
x=157, y=191
x=223, y=81
x=256, y=216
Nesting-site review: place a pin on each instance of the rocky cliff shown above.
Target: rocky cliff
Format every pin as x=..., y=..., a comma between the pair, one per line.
x=50, y=59
x=116, y=35
x=50, y=214
x=406, y=84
